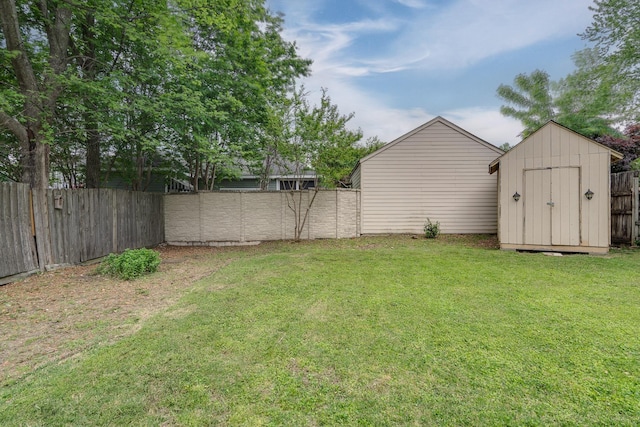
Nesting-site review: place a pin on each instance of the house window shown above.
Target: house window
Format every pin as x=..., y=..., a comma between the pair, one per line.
x=308, y=184
x=288, y=184
x=295, y=184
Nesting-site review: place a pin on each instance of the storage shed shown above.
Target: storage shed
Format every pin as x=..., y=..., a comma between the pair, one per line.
x=554, y=192
x=436, y=171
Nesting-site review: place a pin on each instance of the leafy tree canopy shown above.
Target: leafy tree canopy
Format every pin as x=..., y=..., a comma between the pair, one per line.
x=602, y=94
x=628, y=145
x=615, y=31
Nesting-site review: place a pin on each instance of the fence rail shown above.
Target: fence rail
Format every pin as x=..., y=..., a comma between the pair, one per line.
x=73, y=226
x=625, y=207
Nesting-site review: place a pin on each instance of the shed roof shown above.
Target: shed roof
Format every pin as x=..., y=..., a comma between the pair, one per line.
x=437, y=119
x=615, y=156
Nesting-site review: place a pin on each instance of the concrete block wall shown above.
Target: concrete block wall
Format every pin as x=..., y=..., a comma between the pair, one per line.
x=237, y=217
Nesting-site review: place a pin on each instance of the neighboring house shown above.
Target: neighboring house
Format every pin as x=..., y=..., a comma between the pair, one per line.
x=158, y=183
x=554, y=192
x=436, y=171
x=281, y=178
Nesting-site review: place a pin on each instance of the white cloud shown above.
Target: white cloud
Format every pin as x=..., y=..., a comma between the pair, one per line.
x=453, y=36
x=372, y=116
x=487, y=124
x=437, y=37
x=388, y=123
x=328, y=45
x=414, y=4
x=468, y=31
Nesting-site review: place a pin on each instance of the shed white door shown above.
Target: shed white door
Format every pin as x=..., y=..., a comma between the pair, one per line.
x=552, y=206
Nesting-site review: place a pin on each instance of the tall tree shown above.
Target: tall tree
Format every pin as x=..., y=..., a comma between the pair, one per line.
x=127, y=84
x=584, y=102
x=615, y=30
x=37, y=69
x=530, y=100
x=580, y=101
x=244, y=67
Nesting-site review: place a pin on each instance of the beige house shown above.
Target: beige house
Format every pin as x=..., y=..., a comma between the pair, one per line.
x=554, y=192
x=436, y=171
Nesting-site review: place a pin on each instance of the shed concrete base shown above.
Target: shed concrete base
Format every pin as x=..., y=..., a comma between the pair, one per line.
x=595, y=250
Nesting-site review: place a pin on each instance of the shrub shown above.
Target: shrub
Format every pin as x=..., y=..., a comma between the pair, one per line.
x=130, y=264
x=431, y=229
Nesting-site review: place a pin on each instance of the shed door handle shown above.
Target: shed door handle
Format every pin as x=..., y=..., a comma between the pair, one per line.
x=551, y=204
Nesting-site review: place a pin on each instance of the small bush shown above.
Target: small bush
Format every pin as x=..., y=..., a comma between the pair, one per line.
x=431, y=229
x=130, y=264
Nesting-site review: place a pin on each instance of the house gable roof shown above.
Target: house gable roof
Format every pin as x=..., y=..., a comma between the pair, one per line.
x=437, y=119
x=495, y=165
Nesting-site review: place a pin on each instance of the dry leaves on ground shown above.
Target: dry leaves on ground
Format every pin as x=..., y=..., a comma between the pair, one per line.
x=59, y=314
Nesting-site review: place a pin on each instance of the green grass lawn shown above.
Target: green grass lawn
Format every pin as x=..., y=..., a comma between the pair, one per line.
x=372, y=331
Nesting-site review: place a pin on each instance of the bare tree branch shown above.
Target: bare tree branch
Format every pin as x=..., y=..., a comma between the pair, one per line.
x=13, y=125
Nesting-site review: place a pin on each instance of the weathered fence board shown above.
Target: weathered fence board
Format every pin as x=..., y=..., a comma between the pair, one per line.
x=73, y=226
x=17, y=245
x=625, y=207
x=137, y=228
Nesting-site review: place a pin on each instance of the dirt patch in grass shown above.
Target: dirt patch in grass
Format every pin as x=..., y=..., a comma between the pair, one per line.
x=485, y=241
x=59, y=314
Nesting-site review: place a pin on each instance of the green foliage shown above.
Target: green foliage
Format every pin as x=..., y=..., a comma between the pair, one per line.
x=183, y=85
x=130, y=264
x=614, y=30
x=578, y=101
x=431, y=229
x=601, y=92
x=583, y=101
x=628, y=145
x=530, y=99
x=306, y=136
x=505, y=147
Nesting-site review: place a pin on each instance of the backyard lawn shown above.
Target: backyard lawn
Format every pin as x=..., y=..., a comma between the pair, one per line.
x=370, y=331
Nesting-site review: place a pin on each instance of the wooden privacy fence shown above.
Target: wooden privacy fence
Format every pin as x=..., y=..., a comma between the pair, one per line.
x=17, y=244
x=625, y=208
x=73, y=226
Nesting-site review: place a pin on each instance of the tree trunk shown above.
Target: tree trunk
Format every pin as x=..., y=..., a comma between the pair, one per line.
x=88, y=64
x=93, y=157
x=39, y=102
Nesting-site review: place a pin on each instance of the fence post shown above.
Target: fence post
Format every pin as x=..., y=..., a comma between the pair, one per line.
x=114, y=219
x=635, y=207
x=242, y=217
x=41, y=224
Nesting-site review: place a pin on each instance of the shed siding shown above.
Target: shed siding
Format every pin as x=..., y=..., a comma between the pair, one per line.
x=563, y=151
x=437, y=173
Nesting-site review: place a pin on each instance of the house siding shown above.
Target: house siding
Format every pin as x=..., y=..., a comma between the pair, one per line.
x=355, y=177
x=437, y=172
x=157, y=183
x=239, y=184
x=573, y=164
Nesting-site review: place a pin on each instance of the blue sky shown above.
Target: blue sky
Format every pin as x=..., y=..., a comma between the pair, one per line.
x=399, y=63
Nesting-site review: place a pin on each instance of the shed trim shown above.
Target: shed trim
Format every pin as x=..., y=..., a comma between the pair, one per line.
x=615, y=155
